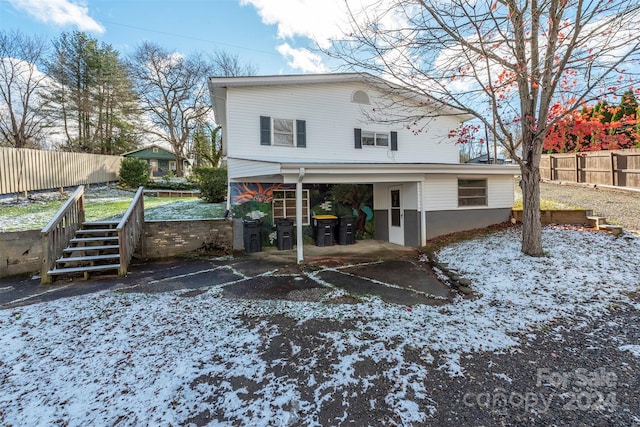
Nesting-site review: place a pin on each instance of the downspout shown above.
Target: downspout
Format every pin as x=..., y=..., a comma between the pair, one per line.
x=299, y=239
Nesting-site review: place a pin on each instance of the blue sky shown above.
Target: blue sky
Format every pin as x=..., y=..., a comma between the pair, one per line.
x=275, y=35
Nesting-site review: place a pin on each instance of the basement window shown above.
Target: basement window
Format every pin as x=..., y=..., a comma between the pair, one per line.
x=472, y=192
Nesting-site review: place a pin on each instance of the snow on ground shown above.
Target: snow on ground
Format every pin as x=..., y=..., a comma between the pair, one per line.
x=156, y=208
x=159, y=359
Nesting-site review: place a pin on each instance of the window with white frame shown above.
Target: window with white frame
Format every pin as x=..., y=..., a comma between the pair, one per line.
x=284, y=205
x=283, y=132
x=472, y=192
x=375, y=139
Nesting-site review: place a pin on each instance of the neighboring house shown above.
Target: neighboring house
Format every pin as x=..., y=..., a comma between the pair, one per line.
x=160, y=160
x=288, y=139
x=485, y=159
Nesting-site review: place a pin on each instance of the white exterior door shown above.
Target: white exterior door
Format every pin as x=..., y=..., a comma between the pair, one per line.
x=396, y=218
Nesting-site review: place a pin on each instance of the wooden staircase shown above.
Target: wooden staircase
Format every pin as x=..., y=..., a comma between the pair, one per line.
x=95, y=248
x=71, y=246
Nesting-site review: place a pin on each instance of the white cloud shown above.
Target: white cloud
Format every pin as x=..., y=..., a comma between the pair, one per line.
x=302, y=59
x=60, y=12
x=319, y=21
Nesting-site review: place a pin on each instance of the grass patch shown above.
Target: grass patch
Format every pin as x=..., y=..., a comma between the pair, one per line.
x=104, y=205
x=547, y=204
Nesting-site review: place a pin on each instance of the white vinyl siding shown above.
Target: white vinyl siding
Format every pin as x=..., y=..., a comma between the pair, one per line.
x=331, y=118
x=239, y=168
x=440, y=192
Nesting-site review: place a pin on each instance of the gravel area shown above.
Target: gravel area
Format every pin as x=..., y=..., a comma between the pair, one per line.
x=618, y=206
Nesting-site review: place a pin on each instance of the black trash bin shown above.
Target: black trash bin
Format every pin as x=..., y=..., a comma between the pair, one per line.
x=251, y=231
x=284, y=234
x=324, y=229
x=346, y=230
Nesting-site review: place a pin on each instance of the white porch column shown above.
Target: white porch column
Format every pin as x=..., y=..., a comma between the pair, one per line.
x=299, y=239
x=422, y=213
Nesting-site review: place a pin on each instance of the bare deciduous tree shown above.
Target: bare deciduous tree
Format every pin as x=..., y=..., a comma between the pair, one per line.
x=21, y=118
x=228, y=65
x=508, y=63
x=173, y=90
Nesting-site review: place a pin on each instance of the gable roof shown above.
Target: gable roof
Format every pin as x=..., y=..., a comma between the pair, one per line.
x=147, y=153
x=219, y=85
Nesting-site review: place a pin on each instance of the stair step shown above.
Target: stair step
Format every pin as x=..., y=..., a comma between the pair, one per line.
x=90, y=248
x=59, y=271
x=96, y=231
x=101, y=223
x=88, y=258
x=93, y=239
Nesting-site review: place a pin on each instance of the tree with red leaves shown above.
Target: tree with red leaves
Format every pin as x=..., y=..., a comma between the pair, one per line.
x=601, y=127
x=507, y=63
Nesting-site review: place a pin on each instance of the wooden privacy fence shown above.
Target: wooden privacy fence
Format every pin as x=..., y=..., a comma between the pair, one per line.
x=23, y=169
x=620, y=167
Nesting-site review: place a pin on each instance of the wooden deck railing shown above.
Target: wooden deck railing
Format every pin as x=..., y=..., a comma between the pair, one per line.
x=130, y=230
x=60, y=230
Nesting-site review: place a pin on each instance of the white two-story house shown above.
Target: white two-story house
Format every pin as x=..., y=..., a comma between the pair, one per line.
x=289, y=139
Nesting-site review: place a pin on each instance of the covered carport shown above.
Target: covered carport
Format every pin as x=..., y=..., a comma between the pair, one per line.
x=404, y=195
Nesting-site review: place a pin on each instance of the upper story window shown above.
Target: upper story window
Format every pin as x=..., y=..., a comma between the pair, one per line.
x=283, y=132
x=472, y=192
x=155, y=149
x=375, y=139
x=365, y=138
x=360, y=97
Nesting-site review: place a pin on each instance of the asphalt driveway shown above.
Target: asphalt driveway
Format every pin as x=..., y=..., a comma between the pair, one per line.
x=368, y=268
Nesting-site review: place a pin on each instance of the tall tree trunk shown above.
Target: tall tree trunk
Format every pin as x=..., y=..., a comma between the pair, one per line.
x=531, y=228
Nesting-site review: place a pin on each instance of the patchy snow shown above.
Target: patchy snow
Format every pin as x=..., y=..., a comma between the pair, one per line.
x=156, y=208
x=159, y=359
x=631, y=348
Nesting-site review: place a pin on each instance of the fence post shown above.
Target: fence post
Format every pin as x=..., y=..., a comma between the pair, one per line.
x=577, y=159
x=613, y=168
x=550, y=167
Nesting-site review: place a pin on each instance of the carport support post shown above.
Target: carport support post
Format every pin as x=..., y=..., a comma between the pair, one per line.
x=299, y=240
x=423, y=214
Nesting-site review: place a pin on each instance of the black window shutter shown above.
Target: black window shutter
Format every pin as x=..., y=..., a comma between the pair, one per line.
x=265, y=130
x=394, y=141
x=301, y=130
x=357, y=138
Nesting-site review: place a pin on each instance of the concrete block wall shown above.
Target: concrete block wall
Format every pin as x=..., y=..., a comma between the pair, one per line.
x=20, y=252
x=164, y=239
